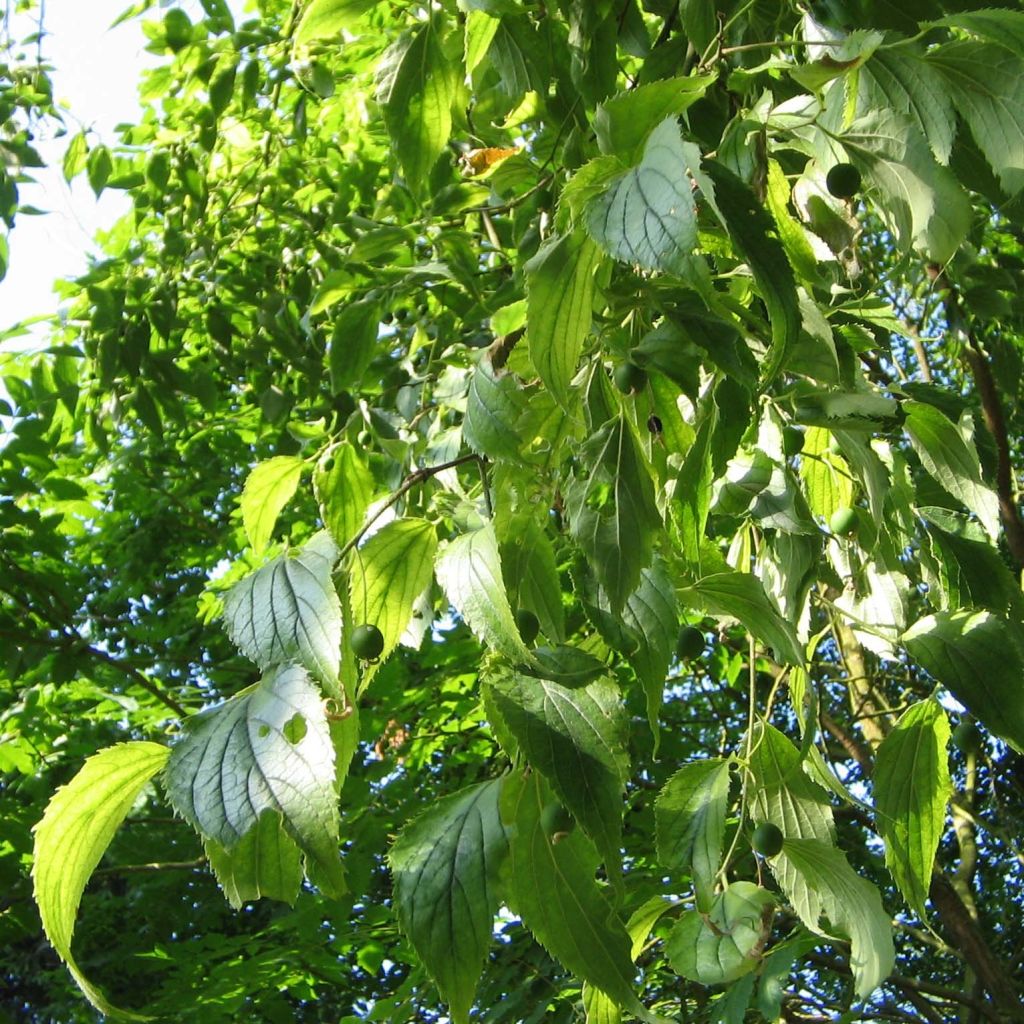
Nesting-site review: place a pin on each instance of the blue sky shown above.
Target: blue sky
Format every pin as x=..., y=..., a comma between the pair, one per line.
x=95, y=79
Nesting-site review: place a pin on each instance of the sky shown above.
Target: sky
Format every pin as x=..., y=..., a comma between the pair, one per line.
x=95, y=80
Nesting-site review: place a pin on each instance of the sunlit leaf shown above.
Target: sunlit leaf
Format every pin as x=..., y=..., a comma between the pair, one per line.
x=75, y=831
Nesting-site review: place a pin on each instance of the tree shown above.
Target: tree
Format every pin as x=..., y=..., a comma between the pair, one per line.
x=640, y=383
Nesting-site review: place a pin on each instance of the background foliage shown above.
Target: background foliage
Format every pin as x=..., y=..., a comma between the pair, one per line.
x=427, y=317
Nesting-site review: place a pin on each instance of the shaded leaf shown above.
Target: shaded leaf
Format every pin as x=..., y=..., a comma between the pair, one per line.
x=727, y=942
x=266, y=861
x=469, y=570
x=445, y=865
x=979, y=657
x=576, y=738
x=852, y=905
x=689, y=818
x=559, y=301
x=951, y=461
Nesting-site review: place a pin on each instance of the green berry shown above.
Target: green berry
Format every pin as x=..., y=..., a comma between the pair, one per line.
x=844, y=521
x=556, y=821
x=630, y=378
x=967, y=737
x=689, y=643
x=528, y=625
x=843, y=181
x=367, y=642
x=767, y=840
x=792, y=441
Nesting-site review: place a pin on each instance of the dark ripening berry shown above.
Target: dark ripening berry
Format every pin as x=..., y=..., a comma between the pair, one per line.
x=556, y=821
x=528, y=625
x=630, y=378
x=844, y=521
x=843, y=181
x=792, y=441
x=689, y=643
x=367, y=642
x=967, y=738
x=767, y=840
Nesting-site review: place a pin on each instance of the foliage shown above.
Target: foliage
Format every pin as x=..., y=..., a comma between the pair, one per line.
x=356, y=358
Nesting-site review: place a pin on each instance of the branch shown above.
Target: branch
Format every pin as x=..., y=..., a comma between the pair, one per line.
x=414, y=478
x=991, y=410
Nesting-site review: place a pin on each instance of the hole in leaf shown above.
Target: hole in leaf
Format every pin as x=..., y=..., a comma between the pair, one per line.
x=295, y=728
x=264, y=730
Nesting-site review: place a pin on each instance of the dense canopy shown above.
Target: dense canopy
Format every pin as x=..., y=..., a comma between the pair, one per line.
x=521, y=523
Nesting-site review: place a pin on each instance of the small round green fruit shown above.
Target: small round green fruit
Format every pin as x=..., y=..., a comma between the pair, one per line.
x=767, y=840
x=528, y=625
x=792, y=441
x=844, y=521
x=630, y=378
x=843, y=181
x=689, y=643
x=367, y=642
x=967, y=738
x=556, y=821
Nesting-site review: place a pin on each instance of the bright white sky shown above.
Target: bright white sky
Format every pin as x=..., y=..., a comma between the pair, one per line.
x=96, y=76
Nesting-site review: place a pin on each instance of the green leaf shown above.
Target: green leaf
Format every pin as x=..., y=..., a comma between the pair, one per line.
x=985, y=83
x=74, y=833
x=791, y=232
x=577, y=739
x=693, y=487
x=653, y=617
x=951, y=461
x=264, y=862
x=353, y=339
x=648, y=216
x=325, y=18
x=611, y=509
x=288, y=610
x=99, y=165
x=564, y=664
x=478, y=33
x=900, y=77
x=528, y=561
x=551, y=887
x=971, y=572
x=559, y=301
x=469, y=570
x=343, y=486
x=785, y=796
x=920, y=199
x=1005, y=27
x=753, y=232
x=624, y=122
x=268, y=488
x=742, y=595
x=267, y=748
x=826, y=477
x=445, y=865
x=852, y=904
x=416, y=87
x=725, y=943
x=979, y=657
x=689, y=816
x=493, y=407
x=389, y=572
x=911, y=788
